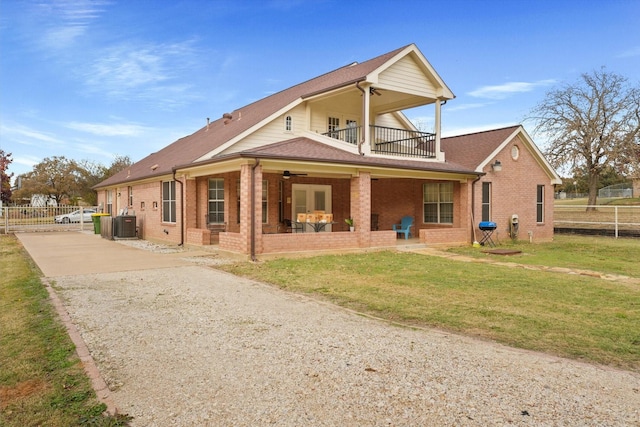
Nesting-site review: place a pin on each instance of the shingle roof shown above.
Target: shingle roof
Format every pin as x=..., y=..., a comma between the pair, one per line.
x=310, y=150
x=472, y=149
x=192, y=147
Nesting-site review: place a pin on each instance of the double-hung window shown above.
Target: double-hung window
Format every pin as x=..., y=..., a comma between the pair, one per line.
x=216, y=201
x=109, y=206
x=438, y=202
x=168, y=201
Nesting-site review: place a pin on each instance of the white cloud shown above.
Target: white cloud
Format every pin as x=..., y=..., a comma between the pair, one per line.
x=28, y=133
x=148, y=72
x=64, y=21
x=630, y=53
x=507, y=89
x=108, y=129
x=462, y=107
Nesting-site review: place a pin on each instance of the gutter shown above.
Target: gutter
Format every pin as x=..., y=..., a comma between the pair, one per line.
x=174, y=170
x=473, y=203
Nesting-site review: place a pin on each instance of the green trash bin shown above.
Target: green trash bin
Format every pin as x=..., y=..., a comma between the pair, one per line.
x=96, y=221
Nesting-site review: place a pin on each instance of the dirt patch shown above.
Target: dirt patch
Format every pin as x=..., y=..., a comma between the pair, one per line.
x=12, y=394
x=502, y=252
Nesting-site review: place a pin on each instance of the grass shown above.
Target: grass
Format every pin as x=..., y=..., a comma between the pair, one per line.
x=42, y=381
x=574, y=316
x=601, y=254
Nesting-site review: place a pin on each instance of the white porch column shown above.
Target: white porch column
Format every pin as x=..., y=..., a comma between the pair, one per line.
x=366, y=121
x=438, y=126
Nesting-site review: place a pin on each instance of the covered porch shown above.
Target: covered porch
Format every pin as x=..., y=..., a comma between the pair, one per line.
x=263, y=200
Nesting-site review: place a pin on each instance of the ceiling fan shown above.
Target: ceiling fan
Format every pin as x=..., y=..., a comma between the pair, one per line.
x=287, y=174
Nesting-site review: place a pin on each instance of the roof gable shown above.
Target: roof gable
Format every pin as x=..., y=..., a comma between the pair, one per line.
x=220, y=134
x=476, y=150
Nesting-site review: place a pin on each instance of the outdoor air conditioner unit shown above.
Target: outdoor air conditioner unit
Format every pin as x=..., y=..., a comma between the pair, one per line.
x=124, y=227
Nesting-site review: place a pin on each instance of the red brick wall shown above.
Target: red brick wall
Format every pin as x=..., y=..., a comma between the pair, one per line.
x=514, y=192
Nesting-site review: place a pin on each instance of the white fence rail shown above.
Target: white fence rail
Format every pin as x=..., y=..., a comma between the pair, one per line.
x=29, y=218
x=615, y=219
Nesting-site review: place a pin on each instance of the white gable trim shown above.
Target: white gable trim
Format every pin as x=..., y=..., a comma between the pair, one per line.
x=542, y=161
x=443, y=90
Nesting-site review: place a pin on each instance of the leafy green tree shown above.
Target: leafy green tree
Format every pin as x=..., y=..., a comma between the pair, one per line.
x=590, y=124
x=56, y=177
x=5, y=178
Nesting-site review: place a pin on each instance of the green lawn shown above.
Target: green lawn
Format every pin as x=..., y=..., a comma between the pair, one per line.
x=42, y=382
x=602, y=254
x=575, y=316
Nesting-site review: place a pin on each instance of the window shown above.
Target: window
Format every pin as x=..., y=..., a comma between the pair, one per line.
x=216, y=201
x=109, y=202
x=169, y=201
x=280, y=201
x=438, y=203
x=540, y=204
x=352, y=132
x=333, y=127
x=486, y=201
x=288, y=126
x=130, y=191
x=265, y=205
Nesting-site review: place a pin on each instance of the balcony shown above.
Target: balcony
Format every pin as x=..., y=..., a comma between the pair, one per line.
x=391, y=141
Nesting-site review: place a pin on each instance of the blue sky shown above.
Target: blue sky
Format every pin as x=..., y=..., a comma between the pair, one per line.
x=89, y=80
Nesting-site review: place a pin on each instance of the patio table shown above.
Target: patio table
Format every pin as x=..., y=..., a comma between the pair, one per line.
x=317, y=226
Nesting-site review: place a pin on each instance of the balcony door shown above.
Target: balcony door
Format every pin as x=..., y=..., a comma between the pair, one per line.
x=309, y=198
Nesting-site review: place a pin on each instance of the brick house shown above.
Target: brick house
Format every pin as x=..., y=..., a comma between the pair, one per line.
x=334, y=147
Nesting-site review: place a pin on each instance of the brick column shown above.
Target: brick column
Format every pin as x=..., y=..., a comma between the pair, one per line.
x=190, y=204
x=245, y=208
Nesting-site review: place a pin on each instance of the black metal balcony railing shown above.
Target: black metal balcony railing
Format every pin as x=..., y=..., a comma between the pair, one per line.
x=391, y=141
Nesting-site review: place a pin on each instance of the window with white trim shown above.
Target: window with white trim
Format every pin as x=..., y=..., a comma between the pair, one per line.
x=130, y=198
x=333, y=126
x=438, y=202
x=109, y=207
x=168, y=201
x=288, y=124
x=215, y=214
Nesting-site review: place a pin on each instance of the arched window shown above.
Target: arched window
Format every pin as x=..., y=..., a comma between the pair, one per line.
x=288, y=124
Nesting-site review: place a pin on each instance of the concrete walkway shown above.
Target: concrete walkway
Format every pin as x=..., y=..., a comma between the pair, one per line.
x=70, y=253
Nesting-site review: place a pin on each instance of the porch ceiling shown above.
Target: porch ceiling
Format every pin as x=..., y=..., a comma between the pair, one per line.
x=388, y=101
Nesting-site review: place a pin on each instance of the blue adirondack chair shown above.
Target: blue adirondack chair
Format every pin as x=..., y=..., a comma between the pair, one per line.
x=404, y=227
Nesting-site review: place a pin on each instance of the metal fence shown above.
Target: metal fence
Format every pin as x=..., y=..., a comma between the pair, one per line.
x=598, y=219
x=48, y=218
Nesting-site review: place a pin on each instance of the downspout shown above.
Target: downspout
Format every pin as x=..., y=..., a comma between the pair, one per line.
x=181, y=207
x=473, y=203
x=253, y=211
x=364, y=122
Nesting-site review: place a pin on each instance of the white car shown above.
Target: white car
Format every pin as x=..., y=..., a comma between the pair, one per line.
x=75, y=216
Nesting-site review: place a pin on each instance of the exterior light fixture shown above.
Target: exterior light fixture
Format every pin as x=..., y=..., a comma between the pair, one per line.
x=496, y=166
x=286, y=175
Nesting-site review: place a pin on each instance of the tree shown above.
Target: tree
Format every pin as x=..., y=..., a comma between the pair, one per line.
x=5, y=179
x=119, y=163
x=590, y=124
x=55, y=177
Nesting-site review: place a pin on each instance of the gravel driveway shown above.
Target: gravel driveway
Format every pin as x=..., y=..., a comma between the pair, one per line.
x=194, y=346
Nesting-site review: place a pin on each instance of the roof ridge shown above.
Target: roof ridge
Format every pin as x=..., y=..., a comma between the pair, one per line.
x=482, y=131
x=351, y=64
